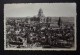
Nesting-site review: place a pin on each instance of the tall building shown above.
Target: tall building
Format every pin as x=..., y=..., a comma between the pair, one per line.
x=41, y=16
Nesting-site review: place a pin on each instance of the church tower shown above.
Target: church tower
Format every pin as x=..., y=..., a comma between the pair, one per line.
x=41, y=16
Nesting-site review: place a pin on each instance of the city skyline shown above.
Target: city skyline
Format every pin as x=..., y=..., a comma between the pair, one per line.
x=40, y=26
x=49, y=9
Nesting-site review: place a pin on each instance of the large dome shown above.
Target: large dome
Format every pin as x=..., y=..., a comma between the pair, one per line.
x=40, y=13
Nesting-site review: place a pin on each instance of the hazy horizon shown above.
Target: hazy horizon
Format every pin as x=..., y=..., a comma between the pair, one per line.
x=31, y=9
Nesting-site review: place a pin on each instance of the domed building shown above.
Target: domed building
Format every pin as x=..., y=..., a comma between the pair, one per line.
x=41, y=16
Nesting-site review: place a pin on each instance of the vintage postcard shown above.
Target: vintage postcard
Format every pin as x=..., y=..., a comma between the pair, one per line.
x=40, y=26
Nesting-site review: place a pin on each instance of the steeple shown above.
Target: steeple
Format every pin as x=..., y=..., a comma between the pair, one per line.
x=60, y=22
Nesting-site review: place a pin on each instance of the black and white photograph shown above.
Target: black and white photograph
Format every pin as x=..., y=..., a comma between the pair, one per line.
x=40, y=26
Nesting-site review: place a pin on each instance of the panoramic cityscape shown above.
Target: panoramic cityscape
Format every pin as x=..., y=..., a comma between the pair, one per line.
x=40, y=31
x=40, y=26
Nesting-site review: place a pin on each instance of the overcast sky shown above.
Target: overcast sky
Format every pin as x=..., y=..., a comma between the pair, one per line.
x=31, y=9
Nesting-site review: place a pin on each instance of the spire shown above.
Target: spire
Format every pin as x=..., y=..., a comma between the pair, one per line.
x=59, y=22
